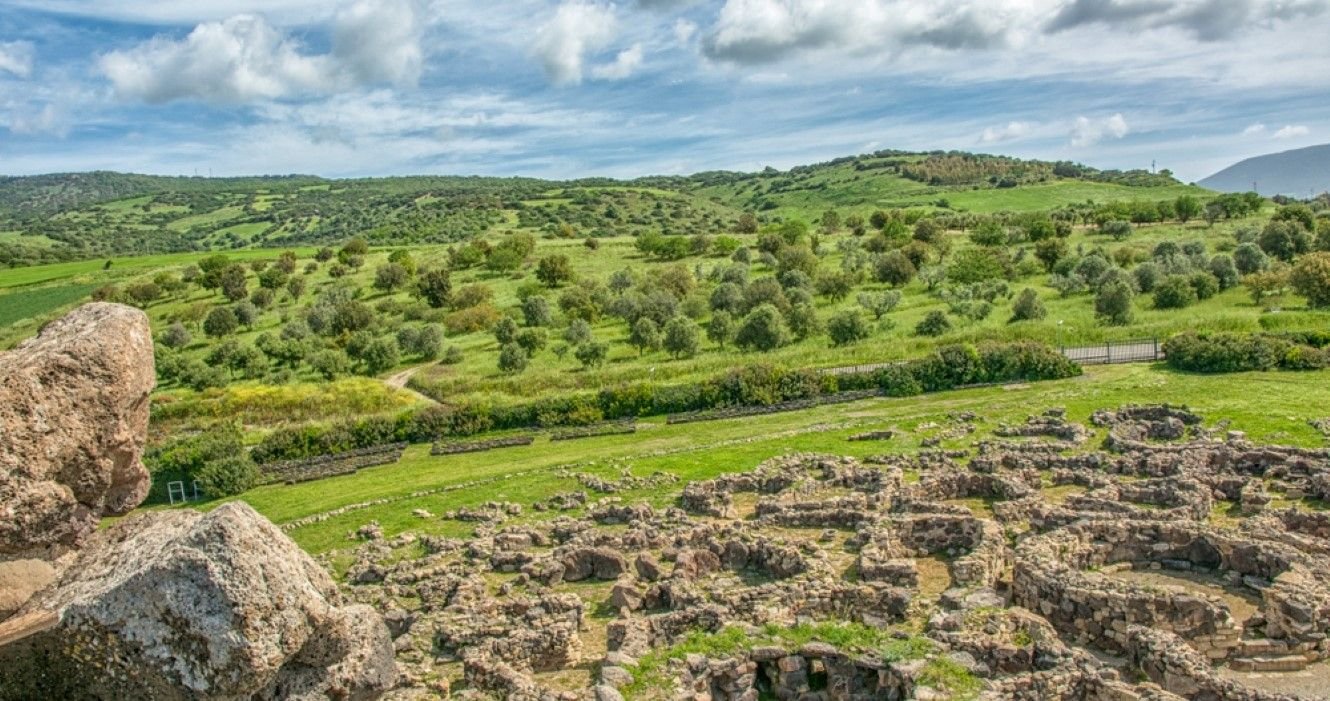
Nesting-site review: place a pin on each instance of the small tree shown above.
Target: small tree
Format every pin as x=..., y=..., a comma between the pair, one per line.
x=934, y=323
x=1249, y=258
x=1266, y=284
x=682, y=337
x=435, y=286
x=644, y=335
x=847, y=327
x=536, y=311
x=720, y=330
x=803, y=321
x=764, y=329
x=1050, y=251
x=1187, y=208
x=895, y=269
x=221, y=322
x=1311, y=279
x=879, y=304
x=232, y=281
x=176, y=336
x=836, y=285
x=1224, y=270
x=591, y=354
x=380, y=355
x=577, y=333
x=1116, y=228
x=512, y=359
x=1113, y=303
x=1175, y=292
x=554, y=270
x=389, y=277
x=505, y=331
x=295, y=287
x=532, y=340
x=1028, y=306
x=330, y=363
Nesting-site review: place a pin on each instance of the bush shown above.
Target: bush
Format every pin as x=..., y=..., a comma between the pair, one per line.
x=895, y=269
x=231, y=475
x=1310, y=278
x=1113, y=303
x=512, y=358
x=1147, y=276
x=1028, y=306
x=764, y=329
x=1175, y=292
x=847, y=327
x=1205, y=285
x=935, y=323
x=1231, y=352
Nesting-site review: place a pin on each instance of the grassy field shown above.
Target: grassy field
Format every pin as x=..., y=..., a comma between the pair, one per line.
x=35, y=303
x=1271, y=407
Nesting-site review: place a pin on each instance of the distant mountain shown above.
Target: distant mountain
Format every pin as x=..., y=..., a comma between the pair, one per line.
x=1303, y=172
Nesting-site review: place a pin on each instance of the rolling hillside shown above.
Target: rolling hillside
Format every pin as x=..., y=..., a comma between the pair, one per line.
x=67, y=217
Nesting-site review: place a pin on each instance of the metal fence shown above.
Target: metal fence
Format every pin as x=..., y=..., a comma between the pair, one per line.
x=1144, y=350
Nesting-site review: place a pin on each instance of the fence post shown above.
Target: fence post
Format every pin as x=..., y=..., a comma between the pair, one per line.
x=1108, y=353
x=1156, y=340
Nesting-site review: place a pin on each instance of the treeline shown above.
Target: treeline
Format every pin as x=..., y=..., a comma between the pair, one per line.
x=755, y=385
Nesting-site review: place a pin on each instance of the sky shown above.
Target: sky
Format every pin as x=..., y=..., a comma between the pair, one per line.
x=574, y=88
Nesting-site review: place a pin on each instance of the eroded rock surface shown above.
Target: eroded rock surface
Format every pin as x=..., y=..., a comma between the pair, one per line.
x=182, y=605
x=73, y=419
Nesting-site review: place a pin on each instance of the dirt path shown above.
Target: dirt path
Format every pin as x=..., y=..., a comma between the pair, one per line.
x=399, y=382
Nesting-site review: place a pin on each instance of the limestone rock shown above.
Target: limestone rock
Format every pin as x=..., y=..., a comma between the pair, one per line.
x=19, y=580
x=183, y=605
x=73, y=419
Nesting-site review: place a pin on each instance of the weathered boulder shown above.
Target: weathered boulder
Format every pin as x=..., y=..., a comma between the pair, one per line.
x=183, y=605
x=73, y=419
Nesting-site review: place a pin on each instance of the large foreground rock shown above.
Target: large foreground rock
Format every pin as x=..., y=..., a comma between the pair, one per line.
x=183, y=605
x=73, y=419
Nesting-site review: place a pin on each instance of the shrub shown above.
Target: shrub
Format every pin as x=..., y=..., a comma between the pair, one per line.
x=1147, y=276
x=682, y=337
x=895, y=269
x=935, y=323
x=1205, y=285
x=847, y=327
x=763, y=329
x=1230, y=352
x=1028, y=306
x=452, y=356
x=1310, y=278
x=1113, y=303
x=1175, y=292
x=512, y=358
x=591, y=354
x=472, y=319
x=228, y=476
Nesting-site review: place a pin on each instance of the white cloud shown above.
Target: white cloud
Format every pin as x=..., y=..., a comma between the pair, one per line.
x=684, y=30
x=245, y=58
x=1292, y=132
x=378, y=41
x=760, y=31
x=1087, y=132
x=1013, y=130
x=1254, y=129
x=16, y=58
x=577, y=28
x=624, y=65
x=47, y=120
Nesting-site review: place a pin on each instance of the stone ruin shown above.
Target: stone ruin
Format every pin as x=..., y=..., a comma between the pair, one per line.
x=162, y=605
x=1166, y=564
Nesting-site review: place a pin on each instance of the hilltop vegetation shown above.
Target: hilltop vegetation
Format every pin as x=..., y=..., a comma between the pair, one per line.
x=67, y=217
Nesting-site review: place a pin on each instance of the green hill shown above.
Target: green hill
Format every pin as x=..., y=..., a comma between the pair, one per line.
x=80, y=216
